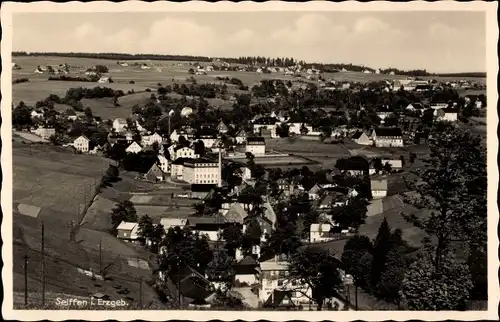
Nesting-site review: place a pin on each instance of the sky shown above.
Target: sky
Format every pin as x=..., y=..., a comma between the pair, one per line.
x=437, y=41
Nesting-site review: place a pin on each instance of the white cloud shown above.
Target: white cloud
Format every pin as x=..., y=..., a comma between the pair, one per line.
x=441, y=31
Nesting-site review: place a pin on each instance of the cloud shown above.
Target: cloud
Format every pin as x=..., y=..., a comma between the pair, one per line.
x=442, y=31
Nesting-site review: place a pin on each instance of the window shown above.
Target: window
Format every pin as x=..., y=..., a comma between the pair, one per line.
x=280, y=282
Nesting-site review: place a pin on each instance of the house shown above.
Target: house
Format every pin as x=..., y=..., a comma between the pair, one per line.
x=38, y=71
x=163, y=163
x=222, y=128
x=274, y=276
x=415, y=107
x=241, y=137
x=446, y=114
x=36, y=114
x=119, y=125
x=236, y=213
x=388, y=137
x=246, y=271
x=129, y=137
x=149, y=140
x=202, y=190
x=177, y=168
x=438, y=105
x=355, y=166
x=315, y=192
x=361, y=138
x=104, y=80
x=379, y=188
x=256, y=145
x=195, y=290
x=133, y=148
x=210, y=226
x=182, y=152
x=319, y=233
x=45, y=133
x=396, y=164
x=280, y=300
x=202, y=171
x=284, y=185
x=81, y=143
x=128, y=231
x=168, y=223
x=154, y=174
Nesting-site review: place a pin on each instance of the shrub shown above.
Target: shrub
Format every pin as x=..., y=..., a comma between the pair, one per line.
x=131, y=82
x=20, y=80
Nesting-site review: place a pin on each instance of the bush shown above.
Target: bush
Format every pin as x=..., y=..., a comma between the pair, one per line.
x=148, y=90
x=20, y=80
x=131, y=82
x=72, y=79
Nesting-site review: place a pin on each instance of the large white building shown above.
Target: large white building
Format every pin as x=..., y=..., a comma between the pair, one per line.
x=256, y=145
x=134, y=147
x=81, y=143
x=202, y=171
x=388, y=137
x=119, y=125
x=45, y=133
x=182, y=152
x=151, y=139
x=446, y=114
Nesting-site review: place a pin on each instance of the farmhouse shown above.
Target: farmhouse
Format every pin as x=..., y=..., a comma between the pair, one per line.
x=81, y=143
x=446, y=114
x=133, y=148
x=154, y=174
x=241, y=137
x=128, y=231
x=388, y=137
x=149, y=140
x=256, y=145
x=319, y=233
x=274, y=276
x=119, y=125
x=163, y=163
x=45, y=133
x=202, y=171
x=222, y=128
x=361, y=138
x=379, y=188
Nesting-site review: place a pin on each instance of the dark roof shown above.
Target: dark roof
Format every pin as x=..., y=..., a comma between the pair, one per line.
x=417, y=105
x=192, y=284
x=255, y=139
x=201, y=160
x=388, y=131
x=353, y=163
x=450, y=110
x=266, y=120
x=202, y=187
x=181, y=161
x=357, y=135
x=206, y=220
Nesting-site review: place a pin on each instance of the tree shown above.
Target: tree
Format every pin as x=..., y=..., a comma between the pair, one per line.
x=220, y=267
x=381, y=247
x=427, y=288
x=146, y=227
x=21, y=116
x=478, y=267
x=303, y=130
x=458, y=210
x=392, y=275
x=377, y=164
x=413, y=157
x=88, y=112
x=233, y=237
x=123, y=211
x=199, y=148
x=402, y=158
x=351, y=215
x=387, y=167
x=316, y=270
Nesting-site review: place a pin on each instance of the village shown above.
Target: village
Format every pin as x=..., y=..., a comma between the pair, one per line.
x=234, y=202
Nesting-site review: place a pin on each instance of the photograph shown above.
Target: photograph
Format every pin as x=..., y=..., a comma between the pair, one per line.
x=283, y=159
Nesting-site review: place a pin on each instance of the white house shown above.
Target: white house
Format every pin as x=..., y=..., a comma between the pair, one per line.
x=151, y=139
x=128, y=231
x=241, y=137
x=163, y=163
x=81, y=143
x=45, y=133
x=202, y=171
x=173, y=222
x=378, y=188
x=388, y=137
x=415, y=107
x=103, y=80
x=319, y=233
x=446, y=114
x=315, y=192
x=256, y=145
x=133, y=148
x=396, y=164
x=36, y=114
x=361, y=138
x=182, y=152
x=119, y=125
x=246, y=271
x=274, y=276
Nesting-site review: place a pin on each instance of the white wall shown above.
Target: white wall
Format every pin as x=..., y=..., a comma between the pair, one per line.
x=256, y=149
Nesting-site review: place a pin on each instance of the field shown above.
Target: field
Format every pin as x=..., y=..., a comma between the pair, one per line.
x=57, y=181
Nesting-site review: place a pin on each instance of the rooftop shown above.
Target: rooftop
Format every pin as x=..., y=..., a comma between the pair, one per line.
x=389, y=131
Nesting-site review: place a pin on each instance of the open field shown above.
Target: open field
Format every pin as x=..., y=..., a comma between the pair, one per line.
x=60, y=183
x=63, y=260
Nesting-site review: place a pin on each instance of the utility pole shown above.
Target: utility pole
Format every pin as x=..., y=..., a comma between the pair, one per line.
x=140, y=293
x=100, y=256
x=43, y=265
x=26, y=279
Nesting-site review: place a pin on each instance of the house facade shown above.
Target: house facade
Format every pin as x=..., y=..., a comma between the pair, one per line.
x=183, y=152
x=82, y=144
x=378, y=188
x=45, y=133
x=149, y=140
x=320, y=233
x=241, y=137
x=128, y=231
x=256, y=145
x=446, y=114
x=388, y=137
x=361, y=138
x=163, y=164
x=202, y=171
x=133, y=148
x=119, y=125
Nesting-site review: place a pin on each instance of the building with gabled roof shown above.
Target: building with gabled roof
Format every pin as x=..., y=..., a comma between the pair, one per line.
x=388, y=137
x=82, y=144
x=134, y=147
x=222, y=128
x=128, y=231
x=361, y=138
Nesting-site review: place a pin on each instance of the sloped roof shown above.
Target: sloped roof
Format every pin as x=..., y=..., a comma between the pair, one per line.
x=172, y=222
x=388, y=131
x=124, y=225
x=380, y=184
x=276, y=299
x=269, y=212
x=236, y=213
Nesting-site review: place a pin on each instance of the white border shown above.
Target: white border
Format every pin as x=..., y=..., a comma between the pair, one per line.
x=136, y=6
